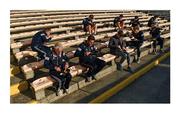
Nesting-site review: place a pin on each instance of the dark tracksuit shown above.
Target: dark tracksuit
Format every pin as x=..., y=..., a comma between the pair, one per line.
x=151, y=21
x=114, y=44
x=91, y=61
x=37, y=44
x=138, y=42
x=63, y=78
x=135, y=22
x=156, y=35
x=86, y=22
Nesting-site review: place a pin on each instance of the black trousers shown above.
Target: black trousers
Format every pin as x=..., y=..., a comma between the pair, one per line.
x=63, y=79
x=41, y=50
x=137, y=44
x=94, y=64
x=158, y=41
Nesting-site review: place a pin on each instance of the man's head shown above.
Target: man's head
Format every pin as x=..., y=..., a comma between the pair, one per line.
x=120, y=33
x=120, y=15
x=47, y=31
x=136, y=17
x=58, y=48
x=136, y=29
x=91, y=40
x=91, y=17
x=155, y=16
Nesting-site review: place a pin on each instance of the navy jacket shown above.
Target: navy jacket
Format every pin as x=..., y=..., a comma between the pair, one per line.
x=139, y=36
x=82, y=49
x=53, y=60
x=87, y=21
x=117, y=19
x=155, y=32
x=134, y=22
x=151, y=21
x=39, y=39
x=114, y=44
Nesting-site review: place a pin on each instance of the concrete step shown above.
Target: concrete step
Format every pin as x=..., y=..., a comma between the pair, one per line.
x=15, y=46
x=64, y=15
x=61, y=19
x=51, y=94
x=57, y=24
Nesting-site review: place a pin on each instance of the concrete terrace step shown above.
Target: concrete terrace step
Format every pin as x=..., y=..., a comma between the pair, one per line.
x=65, y=13
x=72, y=18
x=50, y=94
x=57, y=24
x=28, y=68
x=12, y=12
x=64, y=36
x=63, y=29
x=66, y=44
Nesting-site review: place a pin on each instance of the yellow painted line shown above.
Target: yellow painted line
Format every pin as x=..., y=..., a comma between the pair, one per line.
x=33, y=102
x=19, y=87
x=107, y=94
x=14, y=70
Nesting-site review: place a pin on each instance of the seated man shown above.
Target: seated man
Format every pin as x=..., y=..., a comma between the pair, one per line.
x=57, y=63
x=157, y=39
x=135, y=22
x=118, y=47
x=38, y=41
x=152, y=20
x=87, y=54
x=89, y=25
x=119, y=22
x=137, y=39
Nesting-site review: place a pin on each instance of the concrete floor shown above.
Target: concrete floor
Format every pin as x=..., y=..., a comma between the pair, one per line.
x=153, y=87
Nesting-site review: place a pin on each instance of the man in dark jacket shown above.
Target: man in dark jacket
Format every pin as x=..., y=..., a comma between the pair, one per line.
x=118, y=47
x=157, y=39
x=152, y=20
x=119, y=22
x=88, y=25
x=135, y=22
x=57, y=63
x=38, y=42
x=87, y=54
x=137, y=39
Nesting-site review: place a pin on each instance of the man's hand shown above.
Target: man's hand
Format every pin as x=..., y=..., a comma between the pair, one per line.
x=58, y=69
x=124, y=49
x=66, y=65
x=120, y=47
x=87, y=53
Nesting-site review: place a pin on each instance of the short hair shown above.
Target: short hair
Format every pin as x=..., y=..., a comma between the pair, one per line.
x=155, y=16
x=120, y=32
x=136, y=27
x=47, y=29
x=136, y=17
x=91, y=37
x=121, y=15
x=58, y=44
x=91, y=16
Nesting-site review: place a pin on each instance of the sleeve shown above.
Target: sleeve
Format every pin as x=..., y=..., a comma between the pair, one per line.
x=111, y=43
x=48, y=64
x=124, y=43
x=65, y=57
x=79, y=51
x=130, y=22
x=45, y=37
x=95, y=51
x=150, y=32
x=141, y=35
